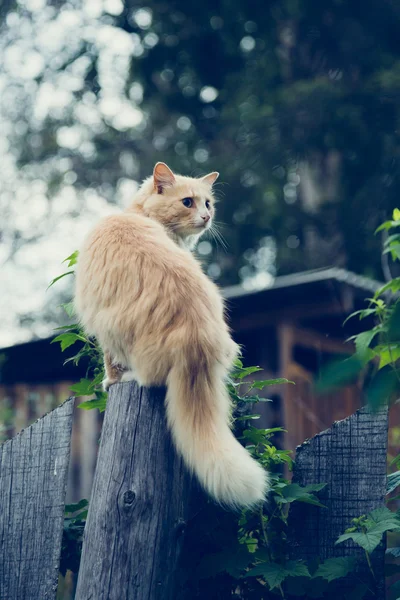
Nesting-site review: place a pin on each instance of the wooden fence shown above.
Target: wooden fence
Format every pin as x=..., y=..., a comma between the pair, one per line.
x=139, y=504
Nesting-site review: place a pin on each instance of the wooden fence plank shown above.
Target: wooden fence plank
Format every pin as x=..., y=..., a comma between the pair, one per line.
x=351, y=458
x=139, y=503
x=33, y=476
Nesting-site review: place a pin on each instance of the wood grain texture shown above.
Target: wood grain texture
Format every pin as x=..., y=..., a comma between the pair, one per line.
x=351, y=458
x=33, y=476
x=139, y=503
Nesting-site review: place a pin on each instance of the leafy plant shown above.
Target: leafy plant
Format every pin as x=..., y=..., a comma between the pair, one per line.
x=379, y=346
x=74, y=525
x=258, y=562
x=73, y=334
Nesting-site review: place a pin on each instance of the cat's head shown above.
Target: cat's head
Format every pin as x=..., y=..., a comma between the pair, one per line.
x=184, y=205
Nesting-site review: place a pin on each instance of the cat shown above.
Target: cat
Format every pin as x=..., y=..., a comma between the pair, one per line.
x=144, y=296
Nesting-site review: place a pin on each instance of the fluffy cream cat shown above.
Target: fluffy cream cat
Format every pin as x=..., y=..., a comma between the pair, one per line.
x=154, y=312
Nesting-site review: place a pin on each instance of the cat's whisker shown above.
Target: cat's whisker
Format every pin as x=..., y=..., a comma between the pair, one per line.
x=218, y=238
x=217, y=228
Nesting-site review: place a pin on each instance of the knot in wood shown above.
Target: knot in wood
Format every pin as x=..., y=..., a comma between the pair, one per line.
x=129, y=497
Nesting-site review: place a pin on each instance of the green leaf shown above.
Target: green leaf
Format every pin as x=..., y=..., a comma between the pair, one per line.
x=394, y=249
x=382, y=519
x=339, y=373
x=85, y=387
x=67, y=327
x=68, y=339
x=369, y=541
x=393, y=323
x=334, y=568
x=254, y=399
x=387, y=225
x=388, y=354
x=53, y=281
x=72, y=259
x=393, y=481
x=396, y=214
x=274, y=573
x=261, y=384
x=250, y=417
x=362, y=342
x=244, y=372
x=73, y=508
x=392, y=238
x=69, y=309
x=294, y=492
x=297, y=569
x=99, y=403
x=376, y=524
x=365, y=312
x=254, y=435
x=382, y=387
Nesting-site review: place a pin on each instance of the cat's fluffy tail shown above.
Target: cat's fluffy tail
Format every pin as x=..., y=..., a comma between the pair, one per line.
x=198, y=412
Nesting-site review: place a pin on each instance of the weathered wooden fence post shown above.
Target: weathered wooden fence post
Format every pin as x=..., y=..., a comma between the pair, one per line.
x=351, y=458
x=33, y=479
x=139, y=503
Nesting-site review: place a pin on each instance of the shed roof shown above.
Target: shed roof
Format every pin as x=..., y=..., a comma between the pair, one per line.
x=308, y=277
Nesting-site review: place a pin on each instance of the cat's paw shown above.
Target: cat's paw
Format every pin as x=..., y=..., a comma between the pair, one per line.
x=107, y=382
x=129, y=376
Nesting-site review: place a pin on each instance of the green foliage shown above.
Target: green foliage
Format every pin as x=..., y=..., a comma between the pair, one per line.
x=72, y=259
x=53, y=281
x=378, y=347
x=68, y=339
x=367, y=531
x=293, y=491
x=262, y=560
x=74, y=525
x=334, y=568
x=88, y=349
x=393, y=481
x=274, y=573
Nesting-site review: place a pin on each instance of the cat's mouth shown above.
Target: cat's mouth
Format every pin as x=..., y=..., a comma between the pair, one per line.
x=202, y=225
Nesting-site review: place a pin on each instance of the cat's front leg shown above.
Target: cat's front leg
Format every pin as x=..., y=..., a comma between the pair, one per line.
x=113, y=372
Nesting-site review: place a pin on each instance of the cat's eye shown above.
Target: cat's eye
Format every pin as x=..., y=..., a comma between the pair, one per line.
x=208, y=204
x=187, y=202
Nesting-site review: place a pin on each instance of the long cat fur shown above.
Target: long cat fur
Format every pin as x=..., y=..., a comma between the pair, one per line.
x=154, y=312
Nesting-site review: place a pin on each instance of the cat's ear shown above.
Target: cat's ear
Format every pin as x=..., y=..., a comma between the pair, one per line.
x=163, y=177
x=210, y=178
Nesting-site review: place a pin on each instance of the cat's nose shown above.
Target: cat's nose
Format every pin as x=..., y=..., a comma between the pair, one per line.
x=205, y=218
